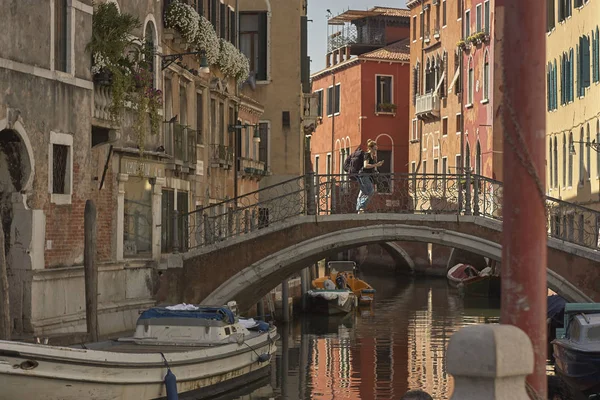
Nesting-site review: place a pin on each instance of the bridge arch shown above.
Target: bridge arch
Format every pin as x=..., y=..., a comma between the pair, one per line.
x=256, y=280
x=401, y=257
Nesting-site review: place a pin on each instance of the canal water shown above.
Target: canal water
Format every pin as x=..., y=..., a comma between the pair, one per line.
x=377, y=353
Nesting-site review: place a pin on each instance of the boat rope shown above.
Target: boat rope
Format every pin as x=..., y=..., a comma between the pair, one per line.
x=165, y=360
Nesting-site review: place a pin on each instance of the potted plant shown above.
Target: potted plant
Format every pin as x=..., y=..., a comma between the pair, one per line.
x=207, y=41
x=232, y=62
x=461, y=44
x=184, y=19
x=111, y=37
x=386, y=107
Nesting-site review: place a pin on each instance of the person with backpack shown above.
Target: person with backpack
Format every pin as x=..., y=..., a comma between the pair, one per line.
x=365, y=174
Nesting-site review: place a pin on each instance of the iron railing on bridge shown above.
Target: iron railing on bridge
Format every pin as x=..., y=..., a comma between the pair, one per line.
x=312, y=194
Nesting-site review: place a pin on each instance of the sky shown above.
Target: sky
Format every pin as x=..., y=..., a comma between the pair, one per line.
x=317, y=29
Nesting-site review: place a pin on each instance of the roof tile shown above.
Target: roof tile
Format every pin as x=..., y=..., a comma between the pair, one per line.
x=398, y=51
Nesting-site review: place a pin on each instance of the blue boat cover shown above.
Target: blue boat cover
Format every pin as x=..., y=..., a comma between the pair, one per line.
x=556, y=308
x=216, y=313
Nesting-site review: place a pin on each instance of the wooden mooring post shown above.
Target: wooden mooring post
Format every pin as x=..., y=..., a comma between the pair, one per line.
x=90, y=270
x=5, y=325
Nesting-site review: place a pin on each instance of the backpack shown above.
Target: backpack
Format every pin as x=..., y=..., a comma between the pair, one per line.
x=355, y=161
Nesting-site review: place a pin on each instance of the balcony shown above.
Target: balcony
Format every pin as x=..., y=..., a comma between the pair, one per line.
x=428, y=106
x=360, y=38
x=221, y=156
x=102, y=102
x=180, y=144
x=252, y=168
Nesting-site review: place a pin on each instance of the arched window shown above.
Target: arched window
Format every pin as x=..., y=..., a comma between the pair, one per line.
x=589, y=154
x=581, y=155
x=478, y=160
x=571, y=148
x=486, y=76
x=468, y=158
x=470, y=83
x=555, y=162
x=564, y=161
x=150, y=40
x=550, y=165
x=417, y=74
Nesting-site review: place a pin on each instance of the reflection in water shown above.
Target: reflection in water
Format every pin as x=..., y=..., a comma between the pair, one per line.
x=377, y=353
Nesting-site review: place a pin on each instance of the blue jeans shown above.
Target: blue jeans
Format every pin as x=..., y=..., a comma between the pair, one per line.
x=366, y=191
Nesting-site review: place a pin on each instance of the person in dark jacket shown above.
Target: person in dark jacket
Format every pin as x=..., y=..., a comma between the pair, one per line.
x=416, y=395
x=365, y=177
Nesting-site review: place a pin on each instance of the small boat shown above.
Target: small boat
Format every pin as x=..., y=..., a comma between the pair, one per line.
x=576, y=348
x=343, y=273
x=471, y=282
x=207, y=350
x=331, y=301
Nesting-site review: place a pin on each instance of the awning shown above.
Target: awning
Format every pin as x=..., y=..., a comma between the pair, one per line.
x=456, y=74
x=440, y=82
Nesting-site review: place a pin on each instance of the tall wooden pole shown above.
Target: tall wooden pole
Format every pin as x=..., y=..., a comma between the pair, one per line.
x=5, y=326
x=90, y=270
x=520, y=27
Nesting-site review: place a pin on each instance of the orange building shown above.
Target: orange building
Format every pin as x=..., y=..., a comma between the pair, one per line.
x=363, y=91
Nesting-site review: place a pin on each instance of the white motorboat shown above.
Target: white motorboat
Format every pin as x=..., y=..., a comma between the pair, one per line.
x=207, y=349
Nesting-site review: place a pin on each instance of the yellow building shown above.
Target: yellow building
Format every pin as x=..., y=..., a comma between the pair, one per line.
x=573, y=102
x=272, y=34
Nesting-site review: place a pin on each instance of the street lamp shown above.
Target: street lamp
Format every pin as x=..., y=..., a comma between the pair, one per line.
x=255, y=137
x=595, y=146
x=168, y=59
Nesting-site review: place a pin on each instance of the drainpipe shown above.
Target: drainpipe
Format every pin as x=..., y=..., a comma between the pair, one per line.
x=333, y=125
x=523, y=123
x=237, y=113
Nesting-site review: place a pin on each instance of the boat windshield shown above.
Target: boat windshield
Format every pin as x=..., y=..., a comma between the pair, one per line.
x=342, y=266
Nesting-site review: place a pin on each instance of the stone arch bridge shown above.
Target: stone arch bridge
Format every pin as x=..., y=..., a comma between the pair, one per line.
x=241, y=249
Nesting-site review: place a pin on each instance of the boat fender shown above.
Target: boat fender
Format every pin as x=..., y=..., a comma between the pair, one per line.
x=265, y=357
x=170, y=382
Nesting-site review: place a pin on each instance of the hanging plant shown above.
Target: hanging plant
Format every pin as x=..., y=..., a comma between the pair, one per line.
x=111, y=37
x=232, y=62
x=208, y=41
x=243, y=68
x=184, y=19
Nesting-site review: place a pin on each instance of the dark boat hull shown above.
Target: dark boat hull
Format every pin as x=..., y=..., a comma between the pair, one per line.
x=329, y=307
x=579, y=369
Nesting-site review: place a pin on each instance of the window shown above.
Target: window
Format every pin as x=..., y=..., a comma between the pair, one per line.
x=223, y=21
x=564, y=9
x=551, y=82
x=478, y=18
x=214, y=121
x=415, y=129
x=422, y=25
x=486, y=16
x=570, y=183
x=328, y=173
x=550, y=165
x=330, y=101
x=555, y=162
x=443, y=13
x=459, y=9
x=583, y=65
x=550, y=16
x=564, y=161
x=213, y=6
x=183, y=105
x=149, y=38
x=319, y=102
x=581, y=154
x=171, y=201
x=384, y=96
x=596, y=55
x=253, y=42
x=470, y=83
x=137, y=218
x=457, y=68
x=467, y=23
x=222, y=128
x=458, y=123
x=566, y=78
x=578, y=3
x=200, y=7
x=337, y=97
x=424, y=174
x=486, y=76
x=445, y=126
x=458, y=161
x=199, y=117
x=416, y=76
x=60, y=160
x=316, y=169
x=589, y=152
x=60, y=35
x=478, y=160
x=444, y=171
x=435, y=173
x=263, y=145
x=232, y=27
x=414, y=27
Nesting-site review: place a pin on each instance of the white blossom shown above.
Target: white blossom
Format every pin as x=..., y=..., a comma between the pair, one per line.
x=232, y=62
x=184, y=19
x=207, y=40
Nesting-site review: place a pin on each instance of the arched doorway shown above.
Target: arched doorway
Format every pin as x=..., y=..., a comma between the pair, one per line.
x=15, y=169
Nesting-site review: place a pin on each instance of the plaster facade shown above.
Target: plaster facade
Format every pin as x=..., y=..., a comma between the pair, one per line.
x=573, y=117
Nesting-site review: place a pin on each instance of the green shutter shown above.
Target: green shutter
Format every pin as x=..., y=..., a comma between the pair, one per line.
x=571, y=75
x=304, y=60
x=261, y=74
x=548, y=90
x=578, y=72
x=562, y=79
x=233, y=27
x=585, y=52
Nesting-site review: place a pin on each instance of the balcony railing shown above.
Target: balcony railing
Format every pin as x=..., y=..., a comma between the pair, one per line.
x=252, y=168
x=221, y=156
x=180, y=143
x=102, y=102
x=351, y=34
x=428, y=106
